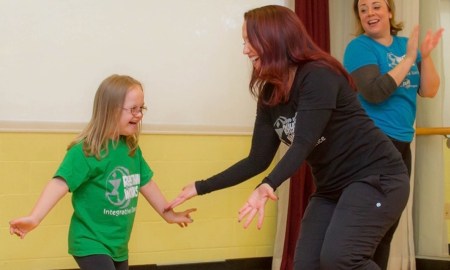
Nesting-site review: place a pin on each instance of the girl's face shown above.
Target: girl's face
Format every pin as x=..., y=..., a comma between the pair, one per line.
x=249, y=50
x=374, y=16
x=132, y=111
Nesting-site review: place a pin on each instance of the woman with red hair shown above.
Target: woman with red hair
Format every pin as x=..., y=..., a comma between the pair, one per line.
x=306, y=100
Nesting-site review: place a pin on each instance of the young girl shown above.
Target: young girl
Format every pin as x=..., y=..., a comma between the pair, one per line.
x=105, y=171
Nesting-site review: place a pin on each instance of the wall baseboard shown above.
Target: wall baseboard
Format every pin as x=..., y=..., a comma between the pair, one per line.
x=265, y=263
x=429, y=264
x=262, y=263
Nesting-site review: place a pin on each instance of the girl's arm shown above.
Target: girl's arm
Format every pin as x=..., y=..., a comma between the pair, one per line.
x=153, y=195
x=52, y=193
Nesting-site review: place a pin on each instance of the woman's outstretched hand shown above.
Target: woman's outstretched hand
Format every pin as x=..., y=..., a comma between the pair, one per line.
x=187, y=192
x=255, y=204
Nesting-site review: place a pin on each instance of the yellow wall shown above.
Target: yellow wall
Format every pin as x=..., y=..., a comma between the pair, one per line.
x=28, y=160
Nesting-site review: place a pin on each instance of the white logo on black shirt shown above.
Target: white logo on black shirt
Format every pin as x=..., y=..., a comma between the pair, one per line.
x=285, y=128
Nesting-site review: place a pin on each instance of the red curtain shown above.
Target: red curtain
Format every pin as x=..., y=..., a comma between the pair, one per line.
x=314, y=15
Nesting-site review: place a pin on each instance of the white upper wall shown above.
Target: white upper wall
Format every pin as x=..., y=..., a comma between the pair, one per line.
x=188, y=55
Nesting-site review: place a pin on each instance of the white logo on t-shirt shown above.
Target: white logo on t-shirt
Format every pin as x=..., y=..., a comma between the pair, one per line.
x=121, y=187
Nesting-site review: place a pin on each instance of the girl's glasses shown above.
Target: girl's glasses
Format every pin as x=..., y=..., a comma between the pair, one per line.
x=136, y=110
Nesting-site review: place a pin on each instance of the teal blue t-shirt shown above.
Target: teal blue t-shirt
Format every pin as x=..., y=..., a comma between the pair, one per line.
x=104, y=198
x=396, y=115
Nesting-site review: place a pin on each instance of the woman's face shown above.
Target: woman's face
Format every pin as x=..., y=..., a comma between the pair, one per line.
x=374, y=16
x=249, y=50
x=132, y=111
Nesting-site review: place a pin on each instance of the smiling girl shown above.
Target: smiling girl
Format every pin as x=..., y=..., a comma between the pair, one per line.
x=105, y=171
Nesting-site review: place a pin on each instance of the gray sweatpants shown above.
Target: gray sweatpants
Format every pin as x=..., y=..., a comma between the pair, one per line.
x=345, y=233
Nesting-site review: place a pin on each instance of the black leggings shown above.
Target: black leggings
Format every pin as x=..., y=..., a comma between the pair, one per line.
x=100, y=262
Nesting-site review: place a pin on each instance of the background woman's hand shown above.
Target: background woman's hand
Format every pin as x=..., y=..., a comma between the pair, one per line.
x=430, y=42
x=413, y=45
x=187, y=192
x=255, y=204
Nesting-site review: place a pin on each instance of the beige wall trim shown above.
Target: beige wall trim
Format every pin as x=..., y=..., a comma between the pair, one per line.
x=66, y=127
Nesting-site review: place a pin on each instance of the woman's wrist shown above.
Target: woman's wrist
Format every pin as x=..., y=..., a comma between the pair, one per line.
x=408, y=61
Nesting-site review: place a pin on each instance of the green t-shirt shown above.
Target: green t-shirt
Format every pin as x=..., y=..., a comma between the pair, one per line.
x=104, y=198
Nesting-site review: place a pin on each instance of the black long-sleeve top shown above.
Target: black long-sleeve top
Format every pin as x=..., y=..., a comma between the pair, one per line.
x=322, y=123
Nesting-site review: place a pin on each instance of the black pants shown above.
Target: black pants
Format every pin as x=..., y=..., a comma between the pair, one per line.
x=344, y=233
x=100, y=262
x=405, y=150
x=382, y=253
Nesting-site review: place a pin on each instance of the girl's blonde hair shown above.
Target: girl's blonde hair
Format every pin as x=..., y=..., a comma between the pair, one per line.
x=395, y=27
x=106, y=113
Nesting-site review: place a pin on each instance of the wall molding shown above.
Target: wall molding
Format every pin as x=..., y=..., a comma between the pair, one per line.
x=76, y=127
x=265, y=263
x=427, y=263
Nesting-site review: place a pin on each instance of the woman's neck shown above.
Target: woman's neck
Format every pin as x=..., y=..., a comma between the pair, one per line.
x=385, y=40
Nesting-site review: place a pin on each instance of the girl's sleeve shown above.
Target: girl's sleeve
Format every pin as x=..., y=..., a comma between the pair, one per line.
x=74, y=169
x=146, y=172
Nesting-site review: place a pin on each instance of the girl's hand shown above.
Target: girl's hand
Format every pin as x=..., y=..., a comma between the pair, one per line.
x=187, y=192
x=52, y=193
x=181, y=218
x=255, y=204
x=21, y=226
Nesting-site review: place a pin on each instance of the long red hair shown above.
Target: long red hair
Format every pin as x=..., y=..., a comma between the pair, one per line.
x=281, y=42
